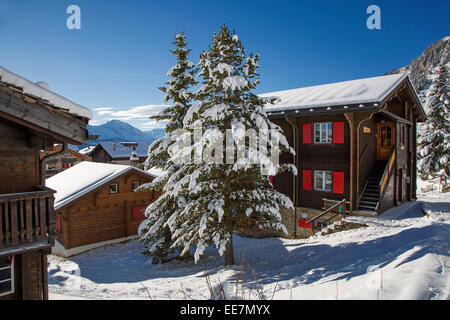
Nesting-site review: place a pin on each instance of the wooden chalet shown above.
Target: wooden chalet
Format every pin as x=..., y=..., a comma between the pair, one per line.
x=98, y=206
x=62, y=160
x=354, y=140
x=32, y=118
x=120, y=152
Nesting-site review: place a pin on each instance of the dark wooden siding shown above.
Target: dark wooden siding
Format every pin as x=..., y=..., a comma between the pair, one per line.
x=367, y=150
x=19, y=164
x=100, y=155
x=30, y=276
x=284, y=182
x=326, y=157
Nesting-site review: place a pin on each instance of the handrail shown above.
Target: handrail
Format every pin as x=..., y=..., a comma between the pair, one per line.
x=328, y=210
x=42, y=192
x=387, y=172
x=363, y=153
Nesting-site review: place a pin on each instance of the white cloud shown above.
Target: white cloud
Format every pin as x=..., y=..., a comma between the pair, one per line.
x=136, y=116
x=135, y=113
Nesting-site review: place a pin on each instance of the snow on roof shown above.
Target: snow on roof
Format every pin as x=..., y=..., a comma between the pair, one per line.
x=86, y=151
x=38, y=90
x=119, y=150
x=82, y=178
x=361, y=91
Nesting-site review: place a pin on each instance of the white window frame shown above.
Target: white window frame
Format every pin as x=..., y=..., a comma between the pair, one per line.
x=110, y=188
x=323, y=182
x=328, y=133
x=12, y=279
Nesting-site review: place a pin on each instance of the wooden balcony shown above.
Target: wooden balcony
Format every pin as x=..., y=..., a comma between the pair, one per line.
x=27, y=220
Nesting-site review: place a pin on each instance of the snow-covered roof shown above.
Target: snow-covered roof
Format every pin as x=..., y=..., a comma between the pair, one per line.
x=354, y=92
x=119, y=150
x=38, y=90
x=82, y=178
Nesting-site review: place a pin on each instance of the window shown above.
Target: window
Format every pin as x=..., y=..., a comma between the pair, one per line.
x=134, y=185
x=323, y=132
x=113, y=188
x=323, y=180
x=6, y=275
x=50, y=166
x=386, y=136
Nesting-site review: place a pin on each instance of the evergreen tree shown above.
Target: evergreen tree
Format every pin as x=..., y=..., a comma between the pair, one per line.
x=219, y=183
x=157, y=236
x=434, y=139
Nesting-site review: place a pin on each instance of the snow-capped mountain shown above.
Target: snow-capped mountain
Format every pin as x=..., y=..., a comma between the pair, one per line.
x=423, y=69
x=119, y=131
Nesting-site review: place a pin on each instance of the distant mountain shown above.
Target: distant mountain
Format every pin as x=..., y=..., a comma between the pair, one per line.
x=119, y=131
x=422, y=70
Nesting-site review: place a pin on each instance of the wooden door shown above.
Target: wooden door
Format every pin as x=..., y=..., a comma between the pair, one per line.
x=385, y=140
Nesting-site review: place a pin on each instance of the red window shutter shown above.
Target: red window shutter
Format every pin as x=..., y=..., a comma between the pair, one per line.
x=307, y=133
x=302, y=224
x=338, y=132
x=271, y=179
x=338, y=182
x=58, y=224
x=307, y=185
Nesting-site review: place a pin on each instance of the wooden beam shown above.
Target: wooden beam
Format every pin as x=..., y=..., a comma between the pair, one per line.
x=42, y=118
x=350, y=118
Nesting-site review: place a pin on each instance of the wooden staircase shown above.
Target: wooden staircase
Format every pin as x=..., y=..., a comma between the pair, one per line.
x=370, y=196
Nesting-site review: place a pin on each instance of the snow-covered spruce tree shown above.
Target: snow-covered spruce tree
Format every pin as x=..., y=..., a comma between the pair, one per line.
x=154, y=233
x=434, y=138
x=220, y=178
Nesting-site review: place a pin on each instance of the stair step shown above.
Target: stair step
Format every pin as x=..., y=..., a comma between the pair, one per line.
x=368, y=203
x=372, y=208
x=373, y=185
x=367, y=198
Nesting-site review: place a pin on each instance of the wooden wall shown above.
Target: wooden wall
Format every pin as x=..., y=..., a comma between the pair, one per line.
x=100, y=216
x=326, y=157
x=367, y=150
x=100, y=155
x=30, y=276
x=19, y=164
x=284, y=182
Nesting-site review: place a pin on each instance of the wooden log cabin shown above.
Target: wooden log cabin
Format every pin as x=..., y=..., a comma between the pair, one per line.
x=99, y=206
x=119, y=152
x=32, y=118
x=354, y=140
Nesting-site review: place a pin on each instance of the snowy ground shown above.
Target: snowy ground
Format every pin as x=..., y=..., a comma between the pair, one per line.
x=402, y=254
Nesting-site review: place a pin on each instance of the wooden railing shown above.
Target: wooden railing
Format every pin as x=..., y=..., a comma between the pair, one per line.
x=387, y=172
x=27, y=217
x=340, y=208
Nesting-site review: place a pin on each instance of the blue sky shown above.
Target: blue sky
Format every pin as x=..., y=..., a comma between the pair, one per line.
x=120, y=56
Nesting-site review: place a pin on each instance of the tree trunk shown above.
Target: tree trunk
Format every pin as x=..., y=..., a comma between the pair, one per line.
x=229, y=253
